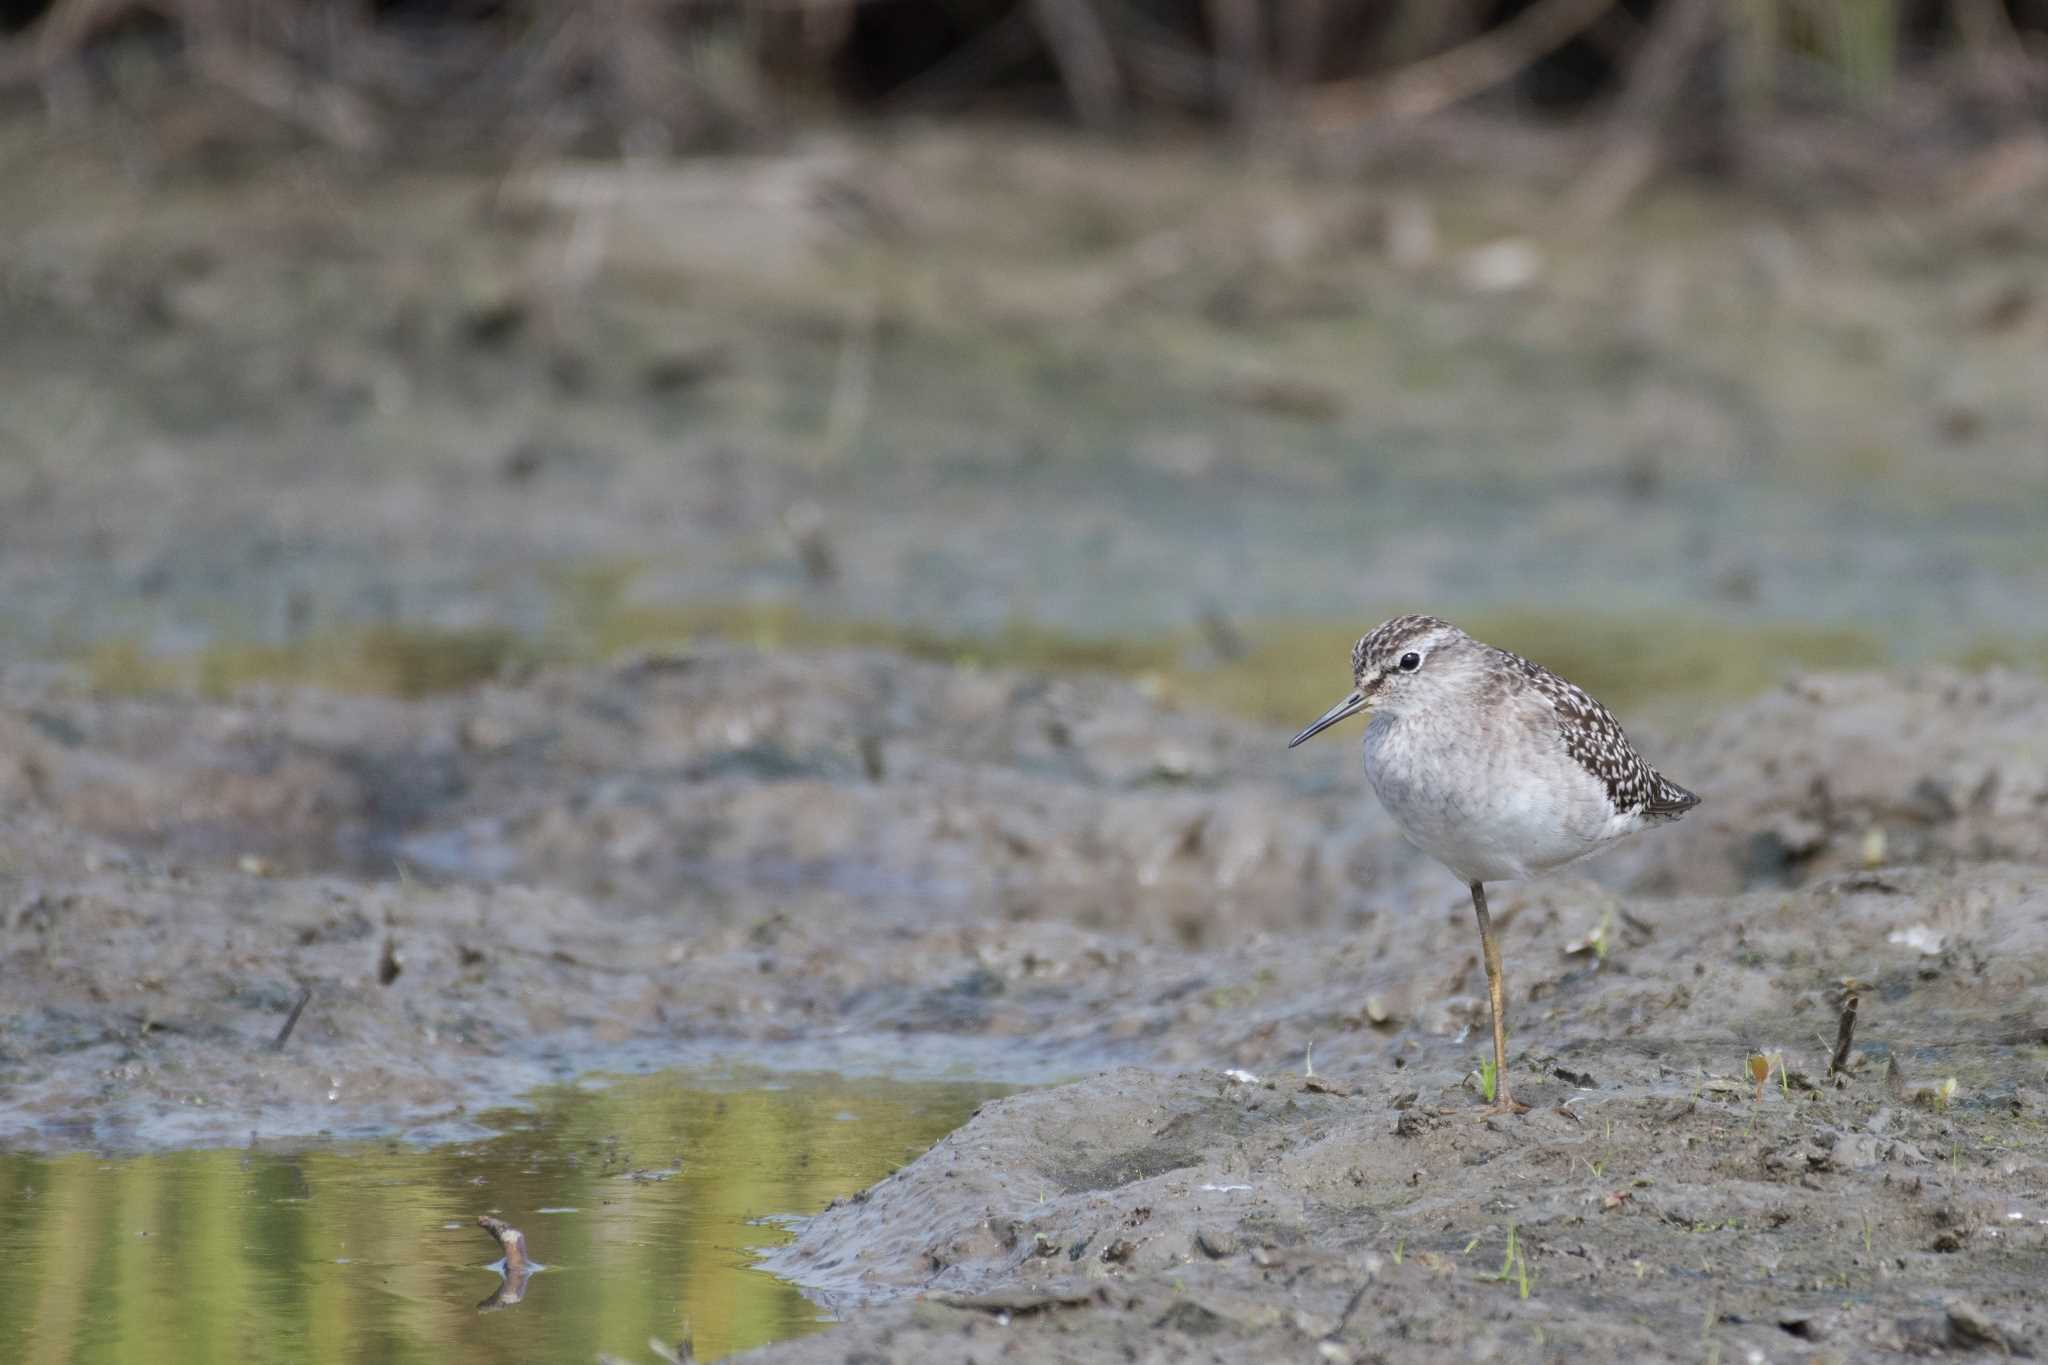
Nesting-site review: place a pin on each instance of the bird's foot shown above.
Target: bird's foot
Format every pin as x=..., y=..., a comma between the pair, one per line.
x=1504, y=1106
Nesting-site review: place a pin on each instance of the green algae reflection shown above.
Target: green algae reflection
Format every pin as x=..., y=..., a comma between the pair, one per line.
x=645, y=1198
x=1272, y=671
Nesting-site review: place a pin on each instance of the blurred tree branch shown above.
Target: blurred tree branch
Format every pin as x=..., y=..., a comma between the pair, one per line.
x=1081, y=49
x=1634, y=143
x=1478, y=64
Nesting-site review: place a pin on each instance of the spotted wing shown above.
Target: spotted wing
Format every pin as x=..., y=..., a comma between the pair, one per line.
x=1594, y=738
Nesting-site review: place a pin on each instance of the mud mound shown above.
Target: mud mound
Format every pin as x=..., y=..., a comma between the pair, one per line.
x=1833, y=772
x=1380, y=1215
x=772, y=850
x=685, y=784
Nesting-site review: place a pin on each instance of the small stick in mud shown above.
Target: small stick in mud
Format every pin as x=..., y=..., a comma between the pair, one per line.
x=1845, y=1034
x=291, y=1021
x=518, y=1269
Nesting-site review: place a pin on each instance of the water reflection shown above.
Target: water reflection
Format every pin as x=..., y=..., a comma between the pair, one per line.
x=648, y=1199
x=514, y=1268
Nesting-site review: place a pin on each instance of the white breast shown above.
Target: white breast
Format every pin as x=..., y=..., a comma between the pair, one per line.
x=1498, y=803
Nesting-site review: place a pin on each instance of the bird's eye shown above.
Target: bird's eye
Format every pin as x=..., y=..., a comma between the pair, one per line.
x=1410, y=662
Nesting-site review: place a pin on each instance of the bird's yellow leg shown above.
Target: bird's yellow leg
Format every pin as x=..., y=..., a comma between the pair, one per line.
x=1496, y=996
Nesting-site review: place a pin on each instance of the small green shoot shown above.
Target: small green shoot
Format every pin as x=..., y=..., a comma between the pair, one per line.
x=1400, y=1246
x=1489, y=1080
x=1515, y=1265
x=1469, y=1245
x=1943, y=1093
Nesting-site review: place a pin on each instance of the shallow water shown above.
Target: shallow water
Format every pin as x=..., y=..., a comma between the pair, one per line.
x=647, y=1199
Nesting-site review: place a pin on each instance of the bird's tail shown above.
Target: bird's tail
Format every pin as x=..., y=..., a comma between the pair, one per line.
x=1669, y=799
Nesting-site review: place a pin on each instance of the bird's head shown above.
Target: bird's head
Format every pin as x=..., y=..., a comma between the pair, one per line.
x=1399, y=665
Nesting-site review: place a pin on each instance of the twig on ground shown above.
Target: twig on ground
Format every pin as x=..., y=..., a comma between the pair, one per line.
x=291, y=1021
x=1845, y=1035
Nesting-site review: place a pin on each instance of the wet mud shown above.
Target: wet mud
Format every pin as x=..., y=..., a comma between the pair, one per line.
x=864, y=861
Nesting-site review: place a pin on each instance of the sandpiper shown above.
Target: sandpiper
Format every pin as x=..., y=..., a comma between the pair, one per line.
x=1495, y=767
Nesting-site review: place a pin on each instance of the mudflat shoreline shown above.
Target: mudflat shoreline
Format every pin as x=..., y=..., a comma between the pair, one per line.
x=847, y=854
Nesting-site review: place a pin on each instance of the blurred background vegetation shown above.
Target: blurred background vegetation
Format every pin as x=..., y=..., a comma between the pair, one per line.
x=405, y=345
x=402, y=343
x=681, y=75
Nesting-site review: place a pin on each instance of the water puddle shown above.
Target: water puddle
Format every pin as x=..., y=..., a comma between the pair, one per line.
x=645, y=1200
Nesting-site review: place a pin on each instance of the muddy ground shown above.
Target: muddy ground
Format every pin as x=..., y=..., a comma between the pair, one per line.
x=856, y=857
